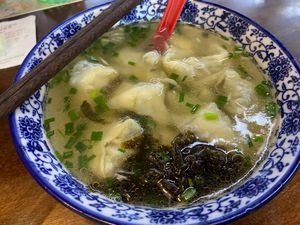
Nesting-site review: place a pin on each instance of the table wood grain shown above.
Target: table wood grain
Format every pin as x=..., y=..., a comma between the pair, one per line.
x=24, y=202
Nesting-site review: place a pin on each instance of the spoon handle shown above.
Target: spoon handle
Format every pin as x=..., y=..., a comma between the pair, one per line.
x=168, y=23
x=26, y=86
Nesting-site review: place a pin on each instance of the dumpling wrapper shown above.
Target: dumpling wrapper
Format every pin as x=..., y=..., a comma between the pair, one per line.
x=144, y=99
x=108, y=158
x=87, y=76
x=240, y=93
x=218, y=131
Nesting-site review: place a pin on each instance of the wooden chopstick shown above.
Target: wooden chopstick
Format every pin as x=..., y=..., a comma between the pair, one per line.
x=31, y=82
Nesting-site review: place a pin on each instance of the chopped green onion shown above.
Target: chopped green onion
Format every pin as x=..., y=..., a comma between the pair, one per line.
x=61, y=133
x=83, y=160
x=73, y=115
x=181, y=96
x=221, y=100
x=174, y=76
x=50, y=133
x=66, y=76
x=47, y=123
x=101, y=105
x=244, y=72
x=258, y=138
x=205, y=34
x=184, y=78
x=69, y=128
x=68, y=164
x=249, y=141
x=73, y=91
x=191, y=184
x=271, y=109
x=225, y=38
x=49, y=101
x=190, y=105
x=195, y=108
x=133, y=78
x=131, y=63
x=93, y=94
x=80, y=146
x=122, y=150
x=164, y=156
x=81, y=127
x=70, y=142
x=67, y=103
x=211, y=116
x=238, y=52
x=263, y=90
x=96, y=135
x=188, y=194
x=225, y=47
x=67, y=155
x=58, y=156
x=91, y=59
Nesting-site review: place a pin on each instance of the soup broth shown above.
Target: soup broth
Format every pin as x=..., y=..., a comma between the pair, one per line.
x=160, y=129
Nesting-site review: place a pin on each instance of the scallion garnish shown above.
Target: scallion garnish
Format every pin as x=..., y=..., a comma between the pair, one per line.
x=195, y=108
x=67, y=155
x=101, y=105
x=244, y=73
x=91, y=58
x=188, y=194
x=133, y=78
x=131, y=63
x=83, y=160
x=73, y=115
x=96, y=136
x=93, y=94
x=50, y=133
x=68, y=164
x=211, y=116
x=61, y=133
x=69, y=128
x=122, y=150
x=49, y=101
x=181, y=96
x=225, y=38
x=258, y=138
x=221, y=100
x=67, y=103
x=71, y=142
x=73, y=91
x=188, y=104
x=174, y=76
x=190, y=181
x=263, y=90
x=205, y=34
x=47, y=123
x=271, y=109
x=59, y=156
x=80, y=146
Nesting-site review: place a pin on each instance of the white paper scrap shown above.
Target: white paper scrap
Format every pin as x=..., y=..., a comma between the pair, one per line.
x=17, y=38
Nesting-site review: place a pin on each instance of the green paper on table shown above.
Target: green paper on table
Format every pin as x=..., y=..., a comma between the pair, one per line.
x=10, y=8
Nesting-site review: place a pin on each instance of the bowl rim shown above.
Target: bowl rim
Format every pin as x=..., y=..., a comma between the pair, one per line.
x=80, y=208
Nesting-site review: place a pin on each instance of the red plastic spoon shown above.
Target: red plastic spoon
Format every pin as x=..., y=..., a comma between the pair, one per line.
x=167, y=24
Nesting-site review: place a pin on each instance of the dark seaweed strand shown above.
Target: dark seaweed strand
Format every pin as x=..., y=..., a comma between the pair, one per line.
x=191, y=170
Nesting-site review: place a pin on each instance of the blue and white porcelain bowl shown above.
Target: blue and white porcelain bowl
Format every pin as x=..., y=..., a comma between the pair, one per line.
x=269, y=177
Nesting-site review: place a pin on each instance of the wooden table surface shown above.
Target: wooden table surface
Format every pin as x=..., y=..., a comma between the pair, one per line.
x=24, y=202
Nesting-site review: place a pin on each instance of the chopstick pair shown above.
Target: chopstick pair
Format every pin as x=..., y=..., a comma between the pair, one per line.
x=55, y=62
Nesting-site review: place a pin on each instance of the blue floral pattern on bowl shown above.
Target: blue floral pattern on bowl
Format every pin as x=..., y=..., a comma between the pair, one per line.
x=269, y=177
